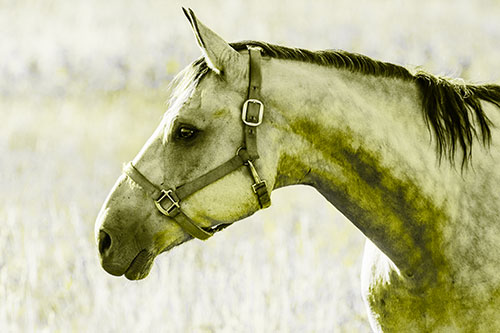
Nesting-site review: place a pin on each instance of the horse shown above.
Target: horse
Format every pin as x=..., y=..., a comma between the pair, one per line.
x=410, y=158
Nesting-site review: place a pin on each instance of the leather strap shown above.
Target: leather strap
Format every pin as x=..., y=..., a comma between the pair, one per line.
x=253, y=109
x=189, y=226
x=210, y=177
x=148, y=187
x=252, y=115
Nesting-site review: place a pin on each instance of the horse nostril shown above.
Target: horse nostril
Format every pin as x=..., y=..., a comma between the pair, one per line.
x=104, y=242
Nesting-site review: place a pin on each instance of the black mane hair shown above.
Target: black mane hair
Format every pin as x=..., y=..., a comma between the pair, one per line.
x=451, y=109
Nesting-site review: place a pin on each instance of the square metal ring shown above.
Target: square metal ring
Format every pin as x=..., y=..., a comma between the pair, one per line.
x=245, y=109
x=168, y=195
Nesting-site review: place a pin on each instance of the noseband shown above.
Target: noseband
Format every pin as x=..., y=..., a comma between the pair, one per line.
x=168, y=200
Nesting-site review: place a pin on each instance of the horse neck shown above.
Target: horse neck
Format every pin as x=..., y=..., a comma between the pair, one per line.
x=362, y=142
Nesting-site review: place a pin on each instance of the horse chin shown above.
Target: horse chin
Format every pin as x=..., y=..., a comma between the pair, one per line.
x=141, y=266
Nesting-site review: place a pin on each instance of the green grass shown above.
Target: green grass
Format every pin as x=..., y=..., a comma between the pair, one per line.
x=64, y=135
x=294, y=266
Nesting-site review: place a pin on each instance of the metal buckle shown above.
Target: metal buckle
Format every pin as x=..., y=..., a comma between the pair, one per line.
x=166, y=194
x=258, y=182
x=257, y=186
x=244, y=112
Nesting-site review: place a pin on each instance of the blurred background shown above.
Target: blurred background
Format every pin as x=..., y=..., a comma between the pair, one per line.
x=83, y=85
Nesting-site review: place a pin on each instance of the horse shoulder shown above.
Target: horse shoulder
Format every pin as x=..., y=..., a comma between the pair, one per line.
x=380, y=284
x=397, y=303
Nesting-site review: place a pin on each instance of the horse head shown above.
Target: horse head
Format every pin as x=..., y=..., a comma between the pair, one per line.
x=201, y=130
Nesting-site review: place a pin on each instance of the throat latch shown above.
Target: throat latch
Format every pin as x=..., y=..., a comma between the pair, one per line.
x=259, y=187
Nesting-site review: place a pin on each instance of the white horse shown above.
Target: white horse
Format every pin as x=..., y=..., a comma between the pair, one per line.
x=411, y=159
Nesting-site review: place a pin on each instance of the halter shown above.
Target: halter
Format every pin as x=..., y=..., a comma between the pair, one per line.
x=168, y=200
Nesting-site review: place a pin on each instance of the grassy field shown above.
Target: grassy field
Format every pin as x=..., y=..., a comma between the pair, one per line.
x=275, y=271
x=82, y=86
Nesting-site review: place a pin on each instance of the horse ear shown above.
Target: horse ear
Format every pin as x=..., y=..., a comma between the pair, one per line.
x=217, y=52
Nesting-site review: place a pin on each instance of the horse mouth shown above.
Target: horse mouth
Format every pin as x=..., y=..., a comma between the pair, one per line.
x=140, y=266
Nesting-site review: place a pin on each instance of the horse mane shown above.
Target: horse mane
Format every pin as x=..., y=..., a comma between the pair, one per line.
x=451, y=108
x=454, y=112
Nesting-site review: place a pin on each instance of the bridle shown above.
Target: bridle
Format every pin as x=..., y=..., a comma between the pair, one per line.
x=252, y=115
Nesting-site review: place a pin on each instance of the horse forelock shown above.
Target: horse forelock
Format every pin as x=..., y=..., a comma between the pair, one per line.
x=183, y=85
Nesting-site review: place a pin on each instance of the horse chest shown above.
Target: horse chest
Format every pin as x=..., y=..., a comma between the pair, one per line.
x=399, y=305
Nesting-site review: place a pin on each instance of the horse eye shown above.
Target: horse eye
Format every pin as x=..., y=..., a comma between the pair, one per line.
x=185, y=133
